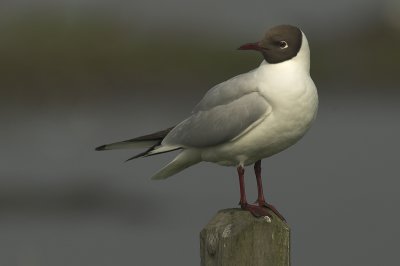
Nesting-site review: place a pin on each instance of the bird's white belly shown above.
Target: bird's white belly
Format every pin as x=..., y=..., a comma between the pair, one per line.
x=278, y=131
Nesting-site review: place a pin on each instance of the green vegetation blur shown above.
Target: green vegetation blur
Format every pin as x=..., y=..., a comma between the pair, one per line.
x=47, y=56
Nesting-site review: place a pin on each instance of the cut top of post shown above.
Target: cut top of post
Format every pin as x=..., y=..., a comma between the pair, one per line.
x=235, y=237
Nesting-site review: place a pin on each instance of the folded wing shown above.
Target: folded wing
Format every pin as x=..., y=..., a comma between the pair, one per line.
x=219, y=123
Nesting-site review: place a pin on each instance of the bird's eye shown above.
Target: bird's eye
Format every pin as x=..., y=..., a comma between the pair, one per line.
x=283, y=44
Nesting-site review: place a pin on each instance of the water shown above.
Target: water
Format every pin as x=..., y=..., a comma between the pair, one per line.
x=62, y=203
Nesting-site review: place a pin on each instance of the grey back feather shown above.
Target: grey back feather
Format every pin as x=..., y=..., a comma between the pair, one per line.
x=227, y=92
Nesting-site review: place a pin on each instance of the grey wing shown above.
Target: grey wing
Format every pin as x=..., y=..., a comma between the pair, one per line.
x=220, y=123
x=227, y=91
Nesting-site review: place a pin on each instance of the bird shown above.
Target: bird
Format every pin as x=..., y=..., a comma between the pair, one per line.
x=245, y=119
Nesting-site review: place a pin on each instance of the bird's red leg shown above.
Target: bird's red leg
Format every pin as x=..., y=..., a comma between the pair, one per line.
x=260, y=193
x=260, y=198
x=243, y=200
x=257, y=211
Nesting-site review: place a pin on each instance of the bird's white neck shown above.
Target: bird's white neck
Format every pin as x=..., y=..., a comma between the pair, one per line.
x=303, y=57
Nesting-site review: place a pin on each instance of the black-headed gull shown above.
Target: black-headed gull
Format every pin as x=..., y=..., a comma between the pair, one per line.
x=246, y=118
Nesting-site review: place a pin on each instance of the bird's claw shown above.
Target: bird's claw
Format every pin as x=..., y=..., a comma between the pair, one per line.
x=257, y=211
x=272, y=208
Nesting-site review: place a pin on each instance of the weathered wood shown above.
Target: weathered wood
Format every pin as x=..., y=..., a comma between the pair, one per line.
x=235, y=238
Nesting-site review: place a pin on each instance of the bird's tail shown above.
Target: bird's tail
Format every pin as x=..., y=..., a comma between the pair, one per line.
x=152, y=142
x=182, y=161
x=145, y=141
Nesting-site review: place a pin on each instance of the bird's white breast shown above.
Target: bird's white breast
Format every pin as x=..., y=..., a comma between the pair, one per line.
x=292, y=94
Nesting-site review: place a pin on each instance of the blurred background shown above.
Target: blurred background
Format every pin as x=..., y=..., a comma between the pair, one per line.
x=78, y=74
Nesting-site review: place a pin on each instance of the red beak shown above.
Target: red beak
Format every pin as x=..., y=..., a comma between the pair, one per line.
x=251, y=46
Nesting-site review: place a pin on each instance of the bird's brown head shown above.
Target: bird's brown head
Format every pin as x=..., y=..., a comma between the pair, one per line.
x=279, y=44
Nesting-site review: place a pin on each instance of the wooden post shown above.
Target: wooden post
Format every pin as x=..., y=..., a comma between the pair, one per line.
x=235, y=238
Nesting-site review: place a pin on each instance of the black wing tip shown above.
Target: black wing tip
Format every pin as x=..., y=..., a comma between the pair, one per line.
x=134, y=157
x=142, y=154
x=101, y=148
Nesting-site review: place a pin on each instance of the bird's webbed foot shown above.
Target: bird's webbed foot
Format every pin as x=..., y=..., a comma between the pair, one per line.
x=257, y=211
x=271, y=207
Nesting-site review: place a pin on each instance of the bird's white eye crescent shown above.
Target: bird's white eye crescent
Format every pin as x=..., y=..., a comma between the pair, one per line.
x=283, y=45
